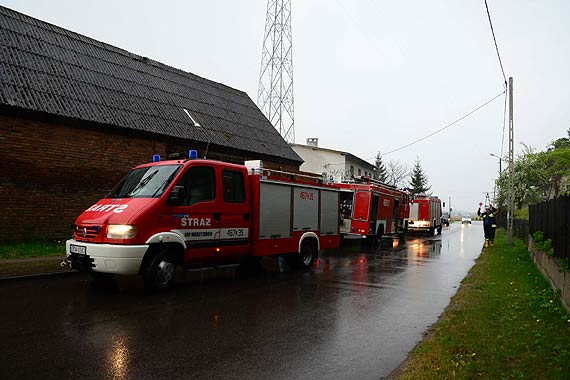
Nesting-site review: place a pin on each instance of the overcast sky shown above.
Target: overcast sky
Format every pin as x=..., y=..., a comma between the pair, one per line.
x=369, y=75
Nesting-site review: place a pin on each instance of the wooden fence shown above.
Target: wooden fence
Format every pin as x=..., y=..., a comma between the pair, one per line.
x=553, y=219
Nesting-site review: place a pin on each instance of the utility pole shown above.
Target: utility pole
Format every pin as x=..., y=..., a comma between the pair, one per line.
x=511, y=197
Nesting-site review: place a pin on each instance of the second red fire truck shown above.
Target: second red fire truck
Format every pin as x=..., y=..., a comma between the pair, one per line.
x=425, y=214
x=371, y=209
x=193, y=213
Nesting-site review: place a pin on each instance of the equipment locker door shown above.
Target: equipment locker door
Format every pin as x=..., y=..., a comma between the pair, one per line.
x=345, y=210
x=305, y=209
x=395, y=213
x=374, y=215
x=235, y=214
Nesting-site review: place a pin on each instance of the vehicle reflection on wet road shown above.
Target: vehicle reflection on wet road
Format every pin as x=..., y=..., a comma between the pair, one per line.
x=355, y=315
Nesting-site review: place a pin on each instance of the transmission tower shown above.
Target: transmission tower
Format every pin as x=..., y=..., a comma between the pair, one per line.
x=275, y=93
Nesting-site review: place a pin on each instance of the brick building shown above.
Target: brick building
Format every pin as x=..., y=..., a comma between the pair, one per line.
x=76, y=114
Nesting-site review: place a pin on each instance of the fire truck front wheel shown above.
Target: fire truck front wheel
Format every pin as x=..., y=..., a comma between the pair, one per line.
x=160, y=272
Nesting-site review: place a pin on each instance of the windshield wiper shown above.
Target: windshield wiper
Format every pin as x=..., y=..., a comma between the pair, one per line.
x=141, y=184
x=168, y=180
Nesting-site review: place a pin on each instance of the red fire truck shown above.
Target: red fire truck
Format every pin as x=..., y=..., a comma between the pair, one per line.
x=194, y=213
x=372, y=209
x=425, y=214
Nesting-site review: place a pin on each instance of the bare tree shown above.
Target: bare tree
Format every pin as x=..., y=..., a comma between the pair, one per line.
x=396, y=173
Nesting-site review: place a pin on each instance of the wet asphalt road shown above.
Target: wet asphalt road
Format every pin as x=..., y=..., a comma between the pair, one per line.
x=354, y=316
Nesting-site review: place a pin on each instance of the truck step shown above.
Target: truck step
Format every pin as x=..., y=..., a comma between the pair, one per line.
x=208, y=268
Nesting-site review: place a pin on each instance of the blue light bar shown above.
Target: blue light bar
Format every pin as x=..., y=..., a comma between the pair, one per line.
x=155, y=157
x=192, y=153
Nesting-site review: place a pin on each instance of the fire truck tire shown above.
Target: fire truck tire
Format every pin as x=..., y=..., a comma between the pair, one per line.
x=308, y=254
x=375, y=240
x=379, y=234
x=161, y=271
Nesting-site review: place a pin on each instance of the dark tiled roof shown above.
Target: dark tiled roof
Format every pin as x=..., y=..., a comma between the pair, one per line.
x=49, y=69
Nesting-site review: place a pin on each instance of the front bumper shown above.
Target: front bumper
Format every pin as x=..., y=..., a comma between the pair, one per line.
x=106, y=258
x=412, y=227
x=352, y=236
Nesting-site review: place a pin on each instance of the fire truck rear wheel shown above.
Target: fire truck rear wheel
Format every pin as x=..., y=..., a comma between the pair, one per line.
x=378, y=237
x=161, y=272
x=308, y=254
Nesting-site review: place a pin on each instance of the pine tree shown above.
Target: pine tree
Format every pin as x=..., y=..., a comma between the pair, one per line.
x=418, y=180
x=380, y=173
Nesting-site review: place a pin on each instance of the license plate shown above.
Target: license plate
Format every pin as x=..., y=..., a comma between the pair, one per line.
x=79, y=249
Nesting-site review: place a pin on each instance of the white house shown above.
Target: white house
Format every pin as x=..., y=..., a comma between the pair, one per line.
x=335, y=163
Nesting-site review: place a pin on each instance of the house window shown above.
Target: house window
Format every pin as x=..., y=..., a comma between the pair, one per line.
x=351, y=170
x=359, y=171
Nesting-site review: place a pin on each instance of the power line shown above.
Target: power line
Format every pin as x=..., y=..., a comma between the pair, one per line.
x=496, y=46
x=445, y=127
x=372, y=41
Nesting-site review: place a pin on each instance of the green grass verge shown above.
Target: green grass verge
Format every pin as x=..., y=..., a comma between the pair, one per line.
x=31, y=249
x=505, y=322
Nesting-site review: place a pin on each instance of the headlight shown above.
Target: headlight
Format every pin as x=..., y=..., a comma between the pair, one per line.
x=121, y=231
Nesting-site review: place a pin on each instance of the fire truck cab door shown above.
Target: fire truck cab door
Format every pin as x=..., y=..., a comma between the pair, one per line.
x=197, y=216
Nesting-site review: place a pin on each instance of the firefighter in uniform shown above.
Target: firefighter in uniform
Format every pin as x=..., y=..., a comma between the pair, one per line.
x=489, y=224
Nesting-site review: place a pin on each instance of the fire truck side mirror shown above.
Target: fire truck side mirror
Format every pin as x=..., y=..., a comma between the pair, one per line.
x=176, y=196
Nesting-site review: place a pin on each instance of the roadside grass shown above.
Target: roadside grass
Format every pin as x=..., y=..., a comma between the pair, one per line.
x=505, y=322
x=31, y=249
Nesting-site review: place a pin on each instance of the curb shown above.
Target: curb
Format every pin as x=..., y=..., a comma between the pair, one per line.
x=34, y=276
x=13, y=269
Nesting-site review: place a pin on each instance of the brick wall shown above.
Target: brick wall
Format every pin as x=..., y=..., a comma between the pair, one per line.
x=51, y=172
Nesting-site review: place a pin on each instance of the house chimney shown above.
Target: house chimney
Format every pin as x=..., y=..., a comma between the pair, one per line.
x=313, y=141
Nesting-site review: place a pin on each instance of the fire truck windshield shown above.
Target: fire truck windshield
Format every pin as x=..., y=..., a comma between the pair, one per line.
x=149, y=182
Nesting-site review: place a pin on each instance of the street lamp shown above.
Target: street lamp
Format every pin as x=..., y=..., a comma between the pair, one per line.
x=500, y=171
x=500, y=160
